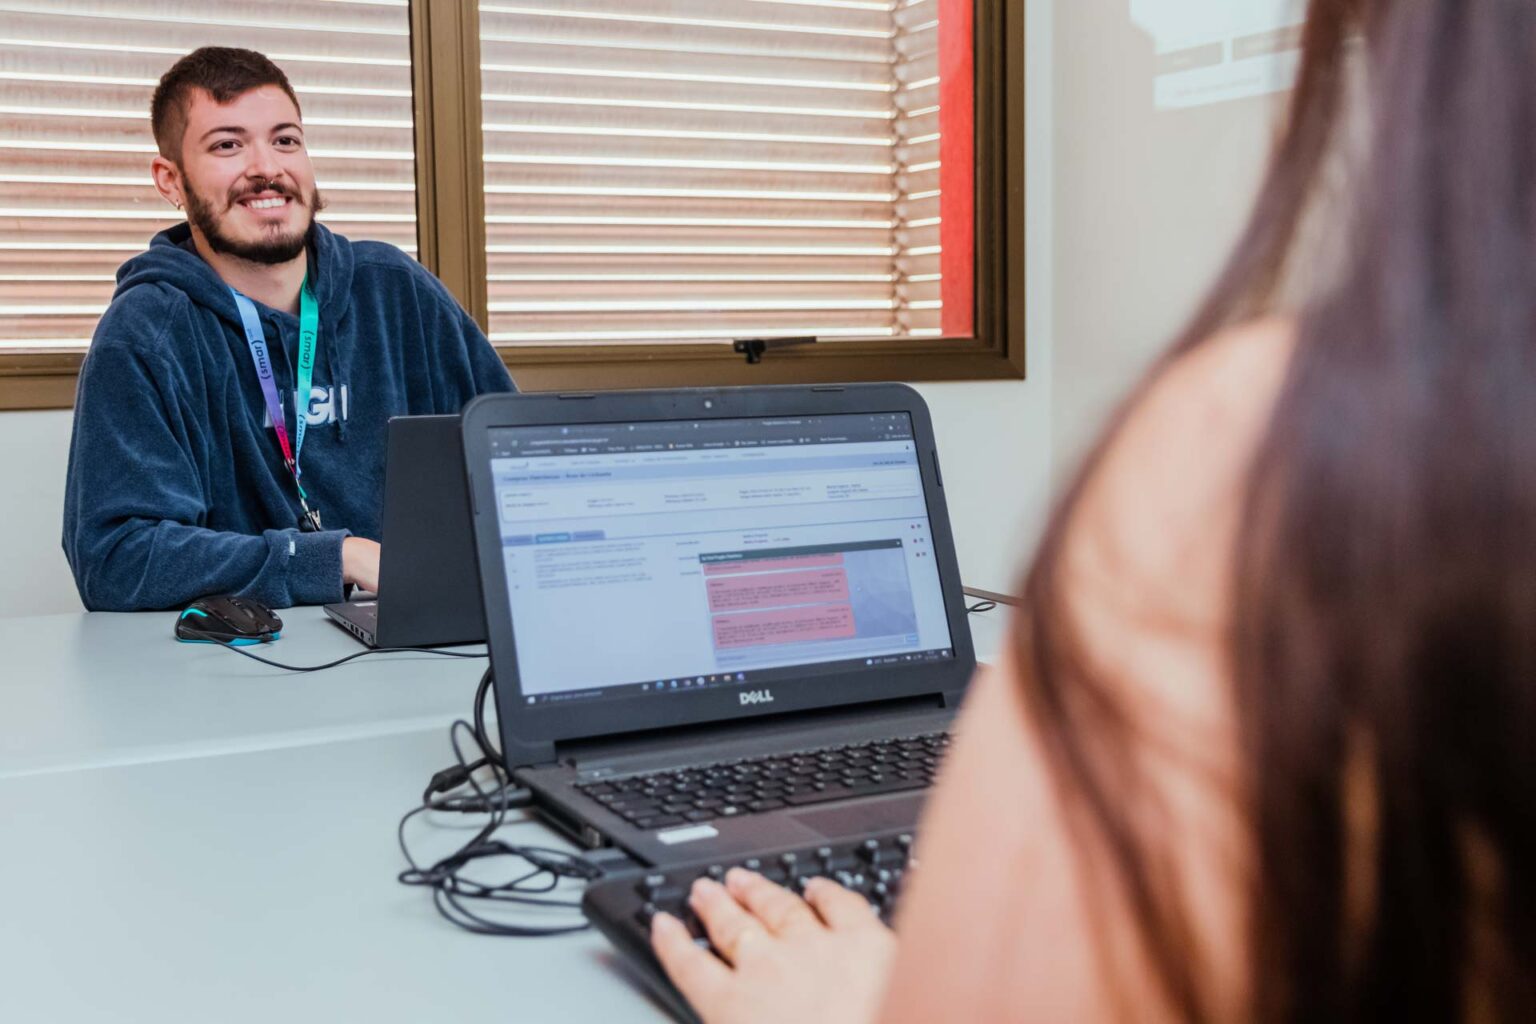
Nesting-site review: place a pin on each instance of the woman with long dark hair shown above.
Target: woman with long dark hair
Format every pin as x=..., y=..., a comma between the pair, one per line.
x=1264, y=747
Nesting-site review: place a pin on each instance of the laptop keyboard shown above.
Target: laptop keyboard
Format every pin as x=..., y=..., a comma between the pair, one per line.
x=754, y=785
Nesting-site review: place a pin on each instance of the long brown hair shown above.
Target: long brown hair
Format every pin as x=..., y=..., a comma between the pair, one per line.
x=1384, y=608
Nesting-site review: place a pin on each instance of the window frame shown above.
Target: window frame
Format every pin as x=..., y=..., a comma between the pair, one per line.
x=450, y=201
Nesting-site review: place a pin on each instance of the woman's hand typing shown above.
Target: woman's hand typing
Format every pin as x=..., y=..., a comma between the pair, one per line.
x=822, y=958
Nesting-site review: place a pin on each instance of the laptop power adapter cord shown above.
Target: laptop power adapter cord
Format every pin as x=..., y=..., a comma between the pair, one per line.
x=455, y=776
x=455, y=897
x=459, y=789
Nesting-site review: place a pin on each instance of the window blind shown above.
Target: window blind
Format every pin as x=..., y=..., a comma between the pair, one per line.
x=700, y=170
x=919, y=247
x=76, y=78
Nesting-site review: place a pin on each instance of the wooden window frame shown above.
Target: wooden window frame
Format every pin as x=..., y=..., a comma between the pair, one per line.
x=450, y=200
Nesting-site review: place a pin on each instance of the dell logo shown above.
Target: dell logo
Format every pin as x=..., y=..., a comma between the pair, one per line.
x=756, y=697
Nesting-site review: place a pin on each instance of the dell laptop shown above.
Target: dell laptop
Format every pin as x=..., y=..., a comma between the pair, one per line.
x=720, y=621
x=429, y=594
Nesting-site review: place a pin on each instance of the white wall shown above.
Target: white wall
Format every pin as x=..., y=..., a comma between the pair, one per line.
x=34, y=578
x=1147, y=204
x=1130, y=210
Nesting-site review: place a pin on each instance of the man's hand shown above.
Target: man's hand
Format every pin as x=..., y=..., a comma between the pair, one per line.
x=360, y=563
x=786, y=959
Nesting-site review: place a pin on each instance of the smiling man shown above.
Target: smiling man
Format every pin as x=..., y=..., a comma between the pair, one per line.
x=230, y=422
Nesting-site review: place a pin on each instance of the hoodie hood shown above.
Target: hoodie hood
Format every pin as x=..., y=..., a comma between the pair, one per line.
x=172, y=259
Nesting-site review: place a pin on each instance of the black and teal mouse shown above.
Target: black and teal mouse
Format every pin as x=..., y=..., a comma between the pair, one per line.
x=225, y=619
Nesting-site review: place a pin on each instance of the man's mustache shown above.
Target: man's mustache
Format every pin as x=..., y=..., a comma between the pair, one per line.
x=271, y=186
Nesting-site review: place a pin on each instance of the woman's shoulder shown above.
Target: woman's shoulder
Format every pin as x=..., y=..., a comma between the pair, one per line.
x=1025, y=933
x=1203, y=412
x=1145, y=577
x=1226, y=373
x=1162, y=503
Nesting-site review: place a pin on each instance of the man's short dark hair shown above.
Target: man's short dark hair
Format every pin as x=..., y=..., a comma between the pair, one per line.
x=224, y=71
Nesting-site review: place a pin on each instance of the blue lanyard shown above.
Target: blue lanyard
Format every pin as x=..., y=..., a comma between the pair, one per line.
x=309, y=338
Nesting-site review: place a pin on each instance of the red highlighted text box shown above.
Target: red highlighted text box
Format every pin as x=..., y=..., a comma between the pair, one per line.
x=784, y=626
x=734, y=593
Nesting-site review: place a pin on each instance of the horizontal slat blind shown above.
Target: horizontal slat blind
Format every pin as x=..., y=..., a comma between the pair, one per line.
x=76, y=78
x=920, y=304
x=700, y=170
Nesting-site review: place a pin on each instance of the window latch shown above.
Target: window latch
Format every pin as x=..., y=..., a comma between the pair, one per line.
x=753, y=348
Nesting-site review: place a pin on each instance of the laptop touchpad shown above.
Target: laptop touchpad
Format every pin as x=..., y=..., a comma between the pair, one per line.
x=865, y=816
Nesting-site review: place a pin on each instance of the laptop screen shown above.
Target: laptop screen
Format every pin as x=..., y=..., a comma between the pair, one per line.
x=672, y=556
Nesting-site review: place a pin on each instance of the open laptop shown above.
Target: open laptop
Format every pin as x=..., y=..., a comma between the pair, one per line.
x=429, y=594
x=720, y=621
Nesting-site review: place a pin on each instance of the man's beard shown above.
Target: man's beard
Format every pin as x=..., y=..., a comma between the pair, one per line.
x=271, y=249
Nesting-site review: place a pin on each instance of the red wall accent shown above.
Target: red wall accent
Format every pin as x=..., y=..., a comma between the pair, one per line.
x=957, y=175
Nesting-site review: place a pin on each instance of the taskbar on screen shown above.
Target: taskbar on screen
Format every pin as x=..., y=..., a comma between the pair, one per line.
x=722, y=680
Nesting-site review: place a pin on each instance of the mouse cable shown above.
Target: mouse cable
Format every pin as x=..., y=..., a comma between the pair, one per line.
x=981, y=606
x=360, y=654
x=457, y=899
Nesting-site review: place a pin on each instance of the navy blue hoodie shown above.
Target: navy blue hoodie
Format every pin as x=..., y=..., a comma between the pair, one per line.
x=177, y=487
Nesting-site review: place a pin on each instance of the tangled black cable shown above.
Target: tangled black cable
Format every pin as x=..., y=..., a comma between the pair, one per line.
x=459, y=774
x=452, y=893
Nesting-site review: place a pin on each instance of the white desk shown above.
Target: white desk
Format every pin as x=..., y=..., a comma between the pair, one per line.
x=191, y=836
x=260, y=887
x=104, y=689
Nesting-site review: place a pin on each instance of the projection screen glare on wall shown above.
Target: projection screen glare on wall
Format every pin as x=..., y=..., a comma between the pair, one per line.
x=1211, y=51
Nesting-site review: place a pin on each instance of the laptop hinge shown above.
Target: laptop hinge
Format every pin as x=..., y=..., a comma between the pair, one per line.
x=658, y=748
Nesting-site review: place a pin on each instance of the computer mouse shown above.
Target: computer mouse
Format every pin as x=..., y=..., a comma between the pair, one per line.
x=224, y=618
